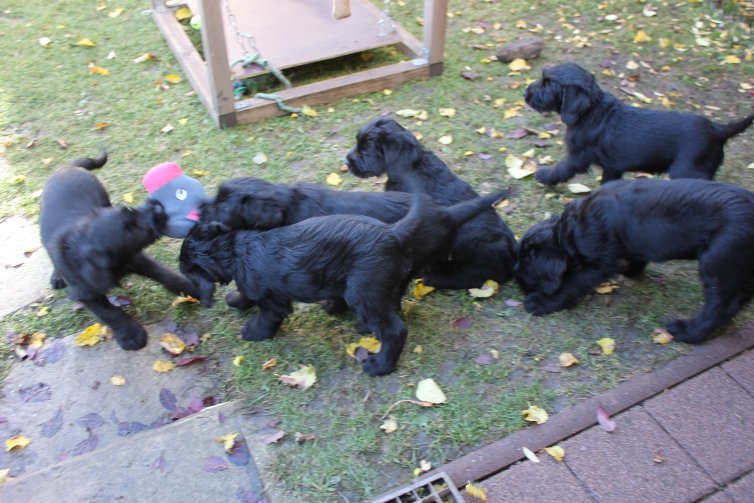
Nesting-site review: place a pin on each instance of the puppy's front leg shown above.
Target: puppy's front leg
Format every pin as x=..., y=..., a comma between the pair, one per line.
x=563, y=171
x=145, y=265
x=392, y=333
x=574, y=286
x=129, y=334
x=265, y=325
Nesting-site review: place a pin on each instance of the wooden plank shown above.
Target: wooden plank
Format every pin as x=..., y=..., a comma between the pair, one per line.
x=435, y=23
x=192, y=64
x=216, y=58
x=333, y=89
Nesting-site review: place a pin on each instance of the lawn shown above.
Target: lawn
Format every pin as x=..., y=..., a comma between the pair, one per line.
x=491, y=359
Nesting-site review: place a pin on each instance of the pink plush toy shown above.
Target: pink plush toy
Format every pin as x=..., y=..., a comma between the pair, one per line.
x=179, y=194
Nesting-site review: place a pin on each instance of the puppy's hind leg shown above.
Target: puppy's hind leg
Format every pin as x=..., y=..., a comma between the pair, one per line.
x=128, y=333
x=145, y=265
x=563, y=171
x=272, y=312
x=392, y=333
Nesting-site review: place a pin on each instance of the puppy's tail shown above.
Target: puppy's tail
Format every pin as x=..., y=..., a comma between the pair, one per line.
x=89, y=164
x=725, y=131
x=407, y=226
x=462, y=212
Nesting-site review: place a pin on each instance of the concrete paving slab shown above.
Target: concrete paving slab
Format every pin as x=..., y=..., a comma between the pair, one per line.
x=742, y=490
x=636, y=462
x=548, y=480
x=718, y=497
x=178, y=463
x=69, y=406
x=23, y=263
x=712, y=417
x=741, y=368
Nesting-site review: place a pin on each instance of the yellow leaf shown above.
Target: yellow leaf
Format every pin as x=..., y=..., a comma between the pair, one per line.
x=163, y=366
x=183, y=13
x=530, y=455
x=421, y=290
x=535, y=414
x=38, y=339
x=732, y=59
x=308, y=111
x=578, y=188
x=606, y=288
x=238, y=360
x=172, y=344
x=607, y=344
x=664, y=42
x=172, y=78
x=477, y=492
x=117, y=380
x=17, y=442
x=188, y=299
x=428, y=391
x=556, y=452
x=4, y=476
x=101, y=125
x=260, y=158
x=91, y=335
x=371, y=344
x=519, y=65
x=418, y=349
x=445, y=140
x=567, y=359
x=512, y=112
x=389, y=425
x=425, y=465
x=662, y=336
x=228, y=441
x=269, y=364
x=144, y=57
x=488, y=289
x=98, y=70
x=334, y=179
x=85, y=42
x=303, y=378
x=448, y=112
x=43, y=311
x=128, y=197
x=200, y=172
x=632, y=65
x=117, y=12
x=513, y=162
x=17, y=179
x=183, y=121
x=641, y=37
x=387, y=92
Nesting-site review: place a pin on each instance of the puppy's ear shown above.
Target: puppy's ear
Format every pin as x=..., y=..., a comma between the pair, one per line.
x=574, y=103
x=400, y=147
x=554, y=268
x=209, y=230
x=266, y=209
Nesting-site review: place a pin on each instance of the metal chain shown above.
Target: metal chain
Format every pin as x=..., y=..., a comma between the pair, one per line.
x=245, y=40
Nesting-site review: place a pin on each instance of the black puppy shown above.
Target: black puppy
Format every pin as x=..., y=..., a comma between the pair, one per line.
x=92, y=245
x=360, y=261
x=624, y=225
x=601, y=130
x=485, y=247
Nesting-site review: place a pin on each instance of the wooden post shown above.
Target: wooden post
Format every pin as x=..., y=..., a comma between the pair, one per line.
x=216, y=59
x=435, y=21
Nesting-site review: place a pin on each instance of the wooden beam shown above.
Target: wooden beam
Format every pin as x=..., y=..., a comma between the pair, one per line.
x=435, y=23
x=330, y=90
x=216, y=58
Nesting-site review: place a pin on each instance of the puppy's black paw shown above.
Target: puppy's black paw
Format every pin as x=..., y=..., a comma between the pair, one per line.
x=253, y=330
x=131, y=337
x=683, y=331
x=237, y=300
x=57, y=283
x=537, y=305
x=374, y=367
x=335, y=306
x=546, y=176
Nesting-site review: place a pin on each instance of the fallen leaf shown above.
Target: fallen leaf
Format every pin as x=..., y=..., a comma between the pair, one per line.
x=172, y=78
x=448, y=112
x=407, y=112
x=371, y=344
x=334, y=179
x=269, y=364
x=578, y=188
x=556, y=452
x=44, y=41
x=215, y=464
x=606, y=288
x=188, y=299
x=163, y=366
x=190, y=360
x=641, y=37
x=53, y=425
x=513, y=303
x=167, y=128
x=90, y=421
x=303, y=378
x=300, y=437
x=535, y=414
x=272, y=438
x=519, y=65
x=117, y=380
x=425, y=465
x=86, y=445
x=200, y=172
x=183, y=13
x=632, y=65
x=4, y=476
x=35, y=393
x=239, y=455
x=91, y=335
x=172, y=343
x=732, y=60
x=488, y=289
x=238, y=360
x=567, y=360
x=98, y=70
x=389, y=425
x=85, y=42
x=445, y=140
x=475, y=491
x=115, y=13
x=462, y=323
x=512, y=112
x=16, y=442
x=228, y=441
x=427, y=390
x=662, y=336
x=145, y=57
x=604, y=419
x=421, y=290
x=308, y=111
x=532, y=457
x=168, y=399
x=607, y=344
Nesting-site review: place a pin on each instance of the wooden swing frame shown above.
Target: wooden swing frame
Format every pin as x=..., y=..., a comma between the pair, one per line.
x=212, y=77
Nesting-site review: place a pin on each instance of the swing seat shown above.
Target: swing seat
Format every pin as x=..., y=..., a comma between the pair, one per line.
x=292, y=33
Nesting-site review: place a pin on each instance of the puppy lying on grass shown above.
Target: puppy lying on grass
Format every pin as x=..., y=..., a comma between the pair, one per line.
x=601, y=130
x=353, y=260
x=484, y=248
x=93, y=244
x=625, y=225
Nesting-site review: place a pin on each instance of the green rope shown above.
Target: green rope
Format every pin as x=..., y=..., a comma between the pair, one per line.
x=277, y=99
x=257, y=58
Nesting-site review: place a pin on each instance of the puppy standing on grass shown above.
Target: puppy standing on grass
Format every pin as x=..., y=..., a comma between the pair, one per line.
x=354, y=260
x=624, y=225
x=484, y=248
x=601, y=130
x=92, y=245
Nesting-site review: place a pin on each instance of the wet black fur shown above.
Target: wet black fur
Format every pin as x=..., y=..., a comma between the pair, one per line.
x=602, y=130
x=93, y=244
x=350, y=260
x=625, y=225
x=484, y=248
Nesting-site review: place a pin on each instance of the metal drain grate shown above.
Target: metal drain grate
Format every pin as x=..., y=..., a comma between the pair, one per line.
x=435, y=489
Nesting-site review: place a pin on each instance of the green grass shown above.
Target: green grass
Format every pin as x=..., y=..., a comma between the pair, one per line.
x=48, y=94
